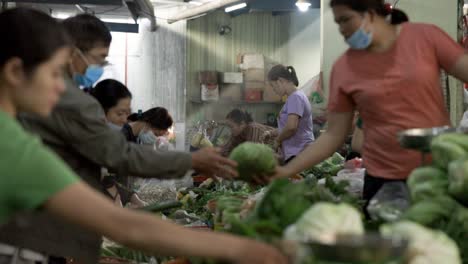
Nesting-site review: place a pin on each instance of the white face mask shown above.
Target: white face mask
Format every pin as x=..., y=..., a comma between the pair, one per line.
x=147, y=137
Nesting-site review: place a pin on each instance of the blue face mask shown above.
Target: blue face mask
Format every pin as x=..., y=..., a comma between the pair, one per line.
x=91, y=76
x=360, y=40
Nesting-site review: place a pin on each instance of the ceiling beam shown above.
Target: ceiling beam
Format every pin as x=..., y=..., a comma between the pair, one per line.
x=203, y=9
x=72, y=2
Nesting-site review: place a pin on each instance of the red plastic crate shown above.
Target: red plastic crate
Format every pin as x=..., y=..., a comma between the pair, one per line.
x=253, y=96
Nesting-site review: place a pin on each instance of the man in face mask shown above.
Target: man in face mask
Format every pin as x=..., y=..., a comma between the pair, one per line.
x=77, y=131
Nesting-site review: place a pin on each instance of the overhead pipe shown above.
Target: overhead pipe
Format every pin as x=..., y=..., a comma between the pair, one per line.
x=199, y=10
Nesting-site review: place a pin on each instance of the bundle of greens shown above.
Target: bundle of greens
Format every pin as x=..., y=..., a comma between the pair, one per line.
x=328, y=167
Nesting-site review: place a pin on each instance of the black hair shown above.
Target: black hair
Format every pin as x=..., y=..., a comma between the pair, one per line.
x=31, y=36
x=157, y=117
x=108, y=93
x=239, y=116
x=379, y=6
x=286, y=72
x=87, y=32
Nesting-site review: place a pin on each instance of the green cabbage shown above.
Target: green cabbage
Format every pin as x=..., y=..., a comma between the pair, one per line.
x=324, y=221
x=253, y=159
x=426, y=246
x=427, y=182
x=458, y=180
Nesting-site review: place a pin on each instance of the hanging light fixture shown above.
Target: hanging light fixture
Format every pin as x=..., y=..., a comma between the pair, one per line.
x=303, y=5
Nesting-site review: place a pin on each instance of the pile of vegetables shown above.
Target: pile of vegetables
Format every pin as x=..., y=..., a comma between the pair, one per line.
x=285, y=202
x=327, y=168
x=253, y=159
x=439, y=192
x=425, y=245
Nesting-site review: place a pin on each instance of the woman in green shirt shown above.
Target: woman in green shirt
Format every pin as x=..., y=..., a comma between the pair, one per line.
x=33, y=55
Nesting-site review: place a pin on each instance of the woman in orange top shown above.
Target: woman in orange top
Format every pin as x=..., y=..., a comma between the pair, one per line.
x=390, y=74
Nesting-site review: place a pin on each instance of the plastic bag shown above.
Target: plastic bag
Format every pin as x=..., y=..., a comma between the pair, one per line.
x=390, y=202
x=355, y=177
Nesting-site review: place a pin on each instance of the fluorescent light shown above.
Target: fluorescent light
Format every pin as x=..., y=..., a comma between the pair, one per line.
x=197, y=3
x=235, y=7
x=60, y=15
x=303, y=5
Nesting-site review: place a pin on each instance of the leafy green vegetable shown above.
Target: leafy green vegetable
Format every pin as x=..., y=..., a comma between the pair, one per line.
x=444, y=152
x=431, y=211
x=328, y=167
x=458, y=180
x=456, y=138
x=253, y=159
x=427, y=182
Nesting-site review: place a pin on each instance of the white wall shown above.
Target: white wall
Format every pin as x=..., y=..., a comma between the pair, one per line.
x=333, y=44
x=304, y=46
x=152, y=65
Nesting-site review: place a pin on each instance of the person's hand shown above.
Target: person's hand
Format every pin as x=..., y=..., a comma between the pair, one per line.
x=258, y=253
x=281, y=172
x=136, y=202
x=209, y=161
x=277, y=146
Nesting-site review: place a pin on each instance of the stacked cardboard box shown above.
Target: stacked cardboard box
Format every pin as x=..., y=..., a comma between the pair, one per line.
x=255, y=67
x=231, y=87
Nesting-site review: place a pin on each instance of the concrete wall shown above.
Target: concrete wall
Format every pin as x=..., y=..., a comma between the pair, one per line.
x=304, y=45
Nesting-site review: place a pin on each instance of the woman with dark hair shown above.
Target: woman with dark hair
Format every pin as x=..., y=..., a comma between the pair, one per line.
x=115, y=99
x=391, y=75
x=295, y=119
x=145, y=127
x=244, y=129
x=33, y=57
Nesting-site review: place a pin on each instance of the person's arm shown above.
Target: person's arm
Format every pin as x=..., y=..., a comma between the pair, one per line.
x=151, y=234
x=80, y=122
x=290, y=129
x=339, y=125
x=460, y=69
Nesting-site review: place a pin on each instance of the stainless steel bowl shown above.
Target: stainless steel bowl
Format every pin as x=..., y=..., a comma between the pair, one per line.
x=369, y=248
x=420, y=138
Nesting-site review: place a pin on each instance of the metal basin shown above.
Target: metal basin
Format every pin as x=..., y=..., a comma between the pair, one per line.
x=369, y=248
x=420, y=138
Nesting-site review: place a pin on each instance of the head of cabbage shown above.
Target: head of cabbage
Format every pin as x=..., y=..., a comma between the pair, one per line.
x=425, y=245
x=253, y=159
x=323, y=222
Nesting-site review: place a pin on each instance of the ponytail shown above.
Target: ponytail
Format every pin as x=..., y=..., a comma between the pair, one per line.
x=293, y=75
x=398, y=17
x=281, y=71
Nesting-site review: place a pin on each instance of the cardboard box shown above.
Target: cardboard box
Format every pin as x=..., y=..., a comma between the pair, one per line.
x=255, y=75
x=269, y=94
x=231, y=92
x=208, y=77
x=232, y=77
x=253, y=60
x=253, y=96
x=255, y=86
x=209, y=92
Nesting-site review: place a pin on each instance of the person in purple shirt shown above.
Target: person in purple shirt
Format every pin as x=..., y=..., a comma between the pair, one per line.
x=295, y=126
